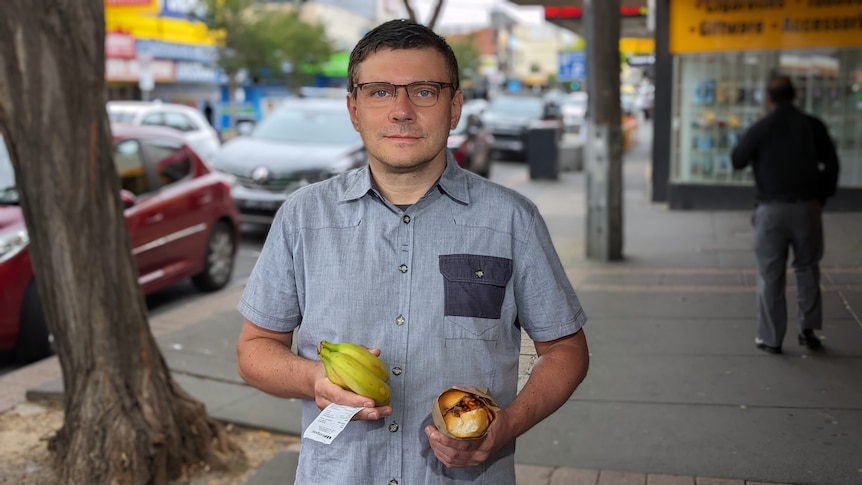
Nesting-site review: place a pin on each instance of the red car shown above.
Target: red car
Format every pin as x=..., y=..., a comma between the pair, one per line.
x=181, y=218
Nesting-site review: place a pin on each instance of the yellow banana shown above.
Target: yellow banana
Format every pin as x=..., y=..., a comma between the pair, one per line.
x=330, y=372
x=362, y=355
x=355, y=377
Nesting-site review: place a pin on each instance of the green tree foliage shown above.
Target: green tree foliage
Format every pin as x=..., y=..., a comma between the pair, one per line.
x=468, y=57
x=268, y=42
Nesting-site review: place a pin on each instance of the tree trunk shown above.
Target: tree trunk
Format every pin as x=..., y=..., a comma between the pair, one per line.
x=126, y=420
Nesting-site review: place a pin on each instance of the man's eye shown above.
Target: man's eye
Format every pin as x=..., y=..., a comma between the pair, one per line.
x=380, y=93
x=424, y=91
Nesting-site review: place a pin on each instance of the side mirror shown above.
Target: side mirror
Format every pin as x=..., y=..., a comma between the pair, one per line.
x=128, y=198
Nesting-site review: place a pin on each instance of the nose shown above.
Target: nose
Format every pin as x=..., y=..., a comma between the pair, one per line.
x=402, y=107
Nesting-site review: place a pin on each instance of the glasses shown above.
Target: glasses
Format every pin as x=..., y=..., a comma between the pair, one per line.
x=422, y=94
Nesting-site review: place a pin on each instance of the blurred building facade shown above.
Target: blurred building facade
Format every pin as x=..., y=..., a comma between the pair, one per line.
x=711, y=64
x=154, y=50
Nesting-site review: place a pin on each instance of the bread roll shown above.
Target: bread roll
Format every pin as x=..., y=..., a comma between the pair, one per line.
x=466, y=415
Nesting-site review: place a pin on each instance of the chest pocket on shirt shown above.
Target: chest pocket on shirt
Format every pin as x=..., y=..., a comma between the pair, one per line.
x=474, y=285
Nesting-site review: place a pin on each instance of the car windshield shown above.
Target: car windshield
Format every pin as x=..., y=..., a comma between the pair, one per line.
x=119, y=116
x=307, y=125
x=8, y=192
x=518, y=106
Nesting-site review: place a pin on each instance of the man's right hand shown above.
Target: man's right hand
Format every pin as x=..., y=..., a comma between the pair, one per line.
x=326, y=393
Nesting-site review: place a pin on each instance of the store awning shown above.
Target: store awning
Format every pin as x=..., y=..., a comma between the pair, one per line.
x=335, y=66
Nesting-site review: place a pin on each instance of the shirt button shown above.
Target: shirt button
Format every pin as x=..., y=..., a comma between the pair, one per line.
x=393, y=427
x=399, y=320
x=402, y=268
x=393, y=482
x=396, y=370
x=406, y=219
x=479, y=273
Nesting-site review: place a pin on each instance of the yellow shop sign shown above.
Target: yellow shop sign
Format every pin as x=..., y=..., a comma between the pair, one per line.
x=731, y=25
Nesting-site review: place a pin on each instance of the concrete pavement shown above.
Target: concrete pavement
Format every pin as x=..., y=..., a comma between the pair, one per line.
x=677, y=392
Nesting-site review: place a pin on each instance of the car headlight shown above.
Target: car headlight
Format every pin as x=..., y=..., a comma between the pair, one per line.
x=12, y=243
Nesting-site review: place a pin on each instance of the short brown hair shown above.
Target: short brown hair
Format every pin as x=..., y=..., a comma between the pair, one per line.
x=401, y=34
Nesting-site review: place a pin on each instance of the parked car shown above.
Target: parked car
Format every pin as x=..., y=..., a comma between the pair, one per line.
x=470, y=141
x=181, y=219
x=197, y=132
x=303, y=141
x=574, y=107
x=509, y=118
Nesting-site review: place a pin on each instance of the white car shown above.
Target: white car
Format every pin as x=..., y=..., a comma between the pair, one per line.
x=197, y=131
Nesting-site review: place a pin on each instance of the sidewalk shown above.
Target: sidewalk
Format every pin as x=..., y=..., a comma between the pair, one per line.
x=676, y=391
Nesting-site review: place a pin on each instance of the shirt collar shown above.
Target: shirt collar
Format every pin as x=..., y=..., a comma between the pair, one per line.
x=454, y=182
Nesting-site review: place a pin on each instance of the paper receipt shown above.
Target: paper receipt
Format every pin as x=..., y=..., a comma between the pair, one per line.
x=330, y=423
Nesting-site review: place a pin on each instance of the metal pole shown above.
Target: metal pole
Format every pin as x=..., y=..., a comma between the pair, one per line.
x=604, y=132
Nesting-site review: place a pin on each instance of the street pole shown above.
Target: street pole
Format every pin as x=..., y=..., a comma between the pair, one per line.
x=604, y=144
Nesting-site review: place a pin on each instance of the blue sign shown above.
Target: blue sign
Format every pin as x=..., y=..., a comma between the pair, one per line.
x=573, y=66
x=180, y=52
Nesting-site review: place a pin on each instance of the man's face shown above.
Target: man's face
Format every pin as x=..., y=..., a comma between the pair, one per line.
x=399, y=135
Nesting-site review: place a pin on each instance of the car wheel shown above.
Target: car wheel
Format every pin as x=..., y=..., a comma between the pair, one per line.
x=34, y=342
x=218, y=266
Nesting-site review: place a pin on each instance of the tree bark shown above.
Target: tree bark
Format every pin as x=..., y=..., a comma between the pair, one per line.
x=126, y=420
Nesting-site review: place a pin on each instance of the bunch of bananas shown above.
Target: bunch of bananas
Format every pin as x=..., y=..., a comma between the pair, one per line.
x=356, y=369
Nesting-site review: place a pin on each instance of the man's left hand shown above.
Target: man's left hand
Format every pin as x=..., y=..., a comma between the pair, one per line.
x=455, y=453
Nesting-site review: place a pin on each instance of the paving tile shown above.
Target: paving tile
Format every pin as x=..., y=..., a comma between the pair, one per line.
x=717, y=481
x=574, y=476
x=659, y=479
x=609, y=477
x=532, y=475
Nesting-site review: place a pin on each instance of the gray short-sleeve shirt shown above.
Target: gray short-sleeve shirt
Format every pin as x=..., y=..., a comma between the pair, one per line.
x=442, y=288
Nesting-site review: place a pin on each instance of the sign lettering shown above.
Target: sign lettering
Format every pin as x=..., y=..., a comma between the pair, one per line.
x=732, y=25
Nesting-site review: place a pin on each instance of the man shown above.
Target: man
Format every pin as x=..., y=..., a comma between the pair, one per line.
x=795, y=171
x=436, y=267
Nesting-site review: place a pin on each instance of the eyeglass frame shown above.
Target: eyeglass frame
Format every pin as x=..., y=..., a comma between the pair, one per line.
x=358, y=86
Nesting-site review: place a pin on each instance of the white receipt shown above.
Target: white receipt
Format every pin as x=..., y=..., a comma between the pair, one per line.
x=330, y=422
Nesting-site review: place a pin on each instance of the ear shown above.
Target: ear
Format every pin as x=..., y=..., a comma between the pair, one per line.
x=351, y=109
x=457, y=104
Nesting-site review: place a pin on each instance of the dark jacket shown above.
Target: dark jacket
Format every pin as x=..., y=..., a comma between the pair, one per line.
x=792, y=156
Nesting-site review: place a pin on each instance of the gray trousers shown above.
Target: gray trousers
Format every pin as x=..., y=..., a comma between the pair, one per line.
x=778, y=227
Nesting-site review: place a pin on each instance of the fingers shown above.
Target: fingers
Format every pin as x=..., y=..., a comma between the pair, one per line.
x=327, y=393
x=454, y=453
x=373, y=414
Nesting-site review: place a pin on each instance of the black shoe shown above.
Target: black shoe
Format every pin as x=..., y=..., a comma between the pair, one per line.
x=808, y=339
x=766, y=348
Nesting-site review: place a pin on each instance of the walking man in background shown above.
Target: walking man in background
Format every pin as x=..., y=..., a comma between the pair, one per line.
x=795, y=170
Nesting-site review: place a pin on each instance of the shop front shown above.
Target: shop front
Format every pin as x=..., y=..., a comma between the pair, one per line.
x=718, y=59
x=154, y=52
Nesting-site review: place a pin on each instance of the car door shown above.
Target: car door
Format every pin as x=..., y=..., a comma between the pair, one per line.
x=139, y=186
x=167, y=228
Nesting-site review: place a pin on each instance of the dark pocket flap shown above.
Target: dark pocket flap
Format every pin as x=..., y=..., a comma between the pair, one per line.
x=475, y=268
